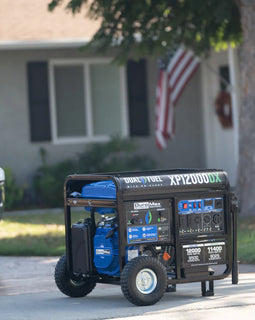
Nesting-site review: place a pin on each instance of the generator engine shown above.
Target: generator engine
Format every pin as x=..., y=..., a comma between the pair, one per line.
x=106, y=247
x=98, y=241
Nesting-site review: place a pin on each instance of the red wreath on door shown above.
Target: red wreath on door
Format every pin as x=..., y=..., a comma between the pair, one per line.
x=223, y=109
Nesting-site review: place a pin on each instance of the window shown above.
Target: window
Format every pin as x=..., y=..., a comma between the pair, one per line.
x=72, y=101
x=87, y=100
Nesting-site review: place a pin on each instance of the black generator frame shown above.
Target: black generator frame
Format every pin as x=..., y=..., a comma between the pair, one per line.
x=77, y=181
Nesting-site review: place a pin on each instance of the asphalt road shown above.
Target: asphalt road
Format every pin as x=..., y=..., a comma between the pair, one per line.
x=28, y=291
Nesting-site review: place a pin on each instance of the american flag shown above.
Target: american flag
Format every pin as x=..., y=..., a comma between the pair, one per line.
x=173, y=78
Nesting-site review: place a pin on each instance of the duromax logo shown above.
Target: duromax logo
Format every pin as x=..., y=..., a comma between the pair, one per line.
x=147, y=205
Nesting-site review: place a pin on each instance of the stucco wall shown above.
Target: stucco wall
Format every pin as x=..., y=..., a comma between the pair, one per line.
x=17, y=152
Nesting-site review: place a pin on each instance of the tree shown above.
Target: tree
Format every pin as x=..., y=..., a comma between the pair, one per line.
x=152, y=27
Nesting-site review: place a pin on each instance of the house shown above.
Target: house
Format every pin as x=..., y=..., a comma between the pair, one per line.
x=42, y=70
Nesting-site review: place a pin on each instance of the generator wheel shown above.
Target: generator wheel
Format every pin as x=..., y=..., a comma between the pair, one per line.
x=144, y=281
x=70, y=287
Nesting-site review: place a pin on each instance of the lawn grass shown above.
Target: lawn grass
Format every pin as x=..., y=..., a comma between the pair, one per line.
x=246, y=240
x=44, y=235
x=34, y=234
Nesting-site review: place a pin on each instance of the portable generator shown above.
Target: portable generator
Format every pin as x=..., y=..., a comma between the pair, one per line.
x=148, y=232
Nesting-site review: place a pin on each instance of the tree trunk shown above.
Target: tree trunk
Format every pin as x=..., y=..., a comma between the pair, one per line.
x=247, y=110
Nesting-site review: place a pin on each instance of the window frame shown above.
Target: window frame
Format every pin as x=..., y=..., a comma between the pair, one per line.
x=88, y=106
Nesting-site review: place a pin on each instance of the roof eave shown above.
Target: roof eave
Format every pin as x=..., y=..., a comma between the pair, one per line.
x=43, y=44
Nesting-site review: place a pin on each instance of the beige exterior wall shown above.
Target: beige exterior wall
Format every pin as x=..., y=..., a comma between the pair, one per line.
x=30, y=20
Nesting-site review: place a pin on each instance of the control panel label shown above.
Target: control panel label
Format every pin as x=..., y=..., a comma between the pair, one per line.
x=142, y=234
x=204, y=253
x=148, y=221
x=200, y=205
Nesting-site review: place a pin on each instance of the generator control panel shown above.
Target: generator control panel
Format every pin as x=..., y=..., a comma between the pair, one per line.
x=197, y=216
x=148, y=221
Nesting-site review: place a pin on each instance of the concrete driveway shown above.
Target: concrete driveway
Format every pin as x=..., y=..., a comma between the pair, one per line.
x=28, y=291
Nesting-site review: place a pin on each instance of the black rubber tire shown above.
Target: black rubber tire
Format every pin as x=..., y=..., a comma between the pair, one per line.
x=128, y=280
x=68, y=286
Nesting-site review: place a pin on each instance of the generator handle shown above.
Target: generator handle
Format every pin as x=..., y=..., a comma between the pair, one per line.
x=235, y=266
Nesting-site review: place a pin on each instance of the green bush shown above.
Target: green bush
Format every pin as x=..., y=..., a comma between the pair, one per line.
x=116, y=155
x=49, y=182
x=14, y=194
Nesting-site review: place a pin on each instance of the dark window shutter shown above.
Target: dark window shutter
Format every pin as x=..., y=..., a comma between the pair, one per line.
x=38, y=94
x=137, y=98
x=224, y=74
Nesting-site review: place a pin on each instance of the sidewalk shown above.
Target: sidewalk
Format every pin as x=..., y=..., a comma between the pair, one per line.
x=21, y=275
x=28, y=291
